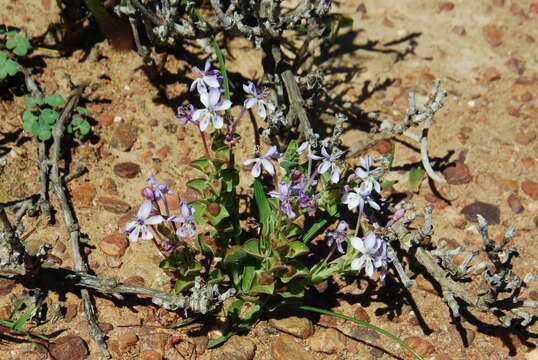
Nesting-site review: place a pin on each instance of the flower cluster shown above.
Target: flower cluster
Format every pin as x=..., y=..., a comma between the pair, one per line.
x=150, y=215
x=208, y=83
x=374, y=255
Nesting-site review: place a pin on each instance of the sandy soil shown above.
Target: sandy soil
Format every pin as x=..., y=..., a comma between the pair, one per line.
x=484, y=52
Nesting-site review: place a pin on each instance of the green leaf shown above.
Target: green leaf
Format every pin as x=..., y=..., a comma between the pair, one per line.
x=205, y=165
x=415, y=177
x=7, y=66
x=233, y=262
x=76, y=121
x=200, y=210
x=221, y=340
x=263, y=206
x=49, y=116
x=198, y=184
x=18, y=305
x=19, y=44
x=230, y=179
x=294, y=230
x=33, y=102
x=23, y=319
x=247, y=278
x=54, y=100
x=297, y=248
x=28, y=120
x=84, y=128
x=388, y=184
x=44, y=133
x=252, y=247
x=335, y=22
x=257, y=287
x=314, y=229
x=216, y=219
x=83, y=111
x=363, y=323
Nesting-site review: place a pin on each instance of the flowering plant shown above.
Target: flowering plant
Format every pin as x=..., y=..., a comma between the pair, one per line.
x=297, y=196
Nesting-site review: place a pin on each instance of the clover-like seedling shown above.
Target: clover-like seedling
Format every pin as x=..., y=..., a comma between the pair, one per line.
x=79, y=125
x=8, y=67
x=41, y=115
x=18, y=44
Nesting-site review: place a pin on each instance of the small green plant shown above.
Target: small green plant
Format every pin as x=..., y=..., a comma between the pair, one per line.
x=16, y=325
x=43, y=113
x=16, y=44
x=79, y=125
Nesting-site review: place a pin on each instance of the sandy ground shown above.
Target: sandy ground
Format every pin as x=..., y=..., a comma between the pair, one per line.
x=484, y=52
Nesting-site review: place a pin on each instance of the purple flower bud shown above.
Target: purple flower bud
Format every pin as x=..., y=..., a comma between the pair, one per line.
x=148, y=193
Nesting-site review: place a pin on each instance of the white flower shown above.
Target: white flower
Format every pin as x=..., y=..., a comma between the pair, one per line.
x=139, y=227
x=264, y=107
x=263, y=160
x=374, y=254
x=212, y=103
x=366, y=174
x=359, y=196
x=207, y=78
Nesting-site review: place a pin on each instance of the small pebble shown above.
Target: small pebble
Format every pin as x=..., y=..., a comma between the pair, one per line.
x=127, y=170
x=530, y=188
x=489, y=211
x=493, y=35
x=515, y=203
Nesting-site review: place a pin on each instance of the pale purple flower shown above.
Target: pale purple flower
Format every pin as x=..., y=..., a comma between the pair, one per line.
x=367, y=174
x=263, y=160
x=139, y=227
x=159, y=191
x=283, y=194
x=340, y=236
x=305, y=201
x=186, y=112
x=213, y=103
x=329, y=163
x=374, y=254
x=307, y=145
x=359, y=196
x=264, y=107
x=207, y=78
x=186, y=219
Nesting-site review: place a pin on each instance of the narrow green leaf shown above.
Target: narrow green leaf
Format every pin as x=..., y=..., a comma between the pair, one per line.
x=263, y=205
x=415, y=177
x=297, y=248
x=314, y=229
x=388, y=184
x=363, y=323
x=23, y=319
x=221, y=340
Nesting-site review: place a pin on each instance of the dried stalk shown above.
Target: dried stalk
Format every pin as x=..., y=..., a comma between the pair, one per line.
x=69, y=220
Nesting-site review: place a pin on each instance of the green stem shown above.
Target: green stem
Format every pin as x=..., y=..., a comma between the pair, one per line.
x=363, y=323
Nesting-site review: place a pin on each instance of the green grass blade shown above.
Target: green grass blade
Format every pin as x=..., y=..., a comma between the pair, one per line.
x=309, y=235
x=363, y=323
x=220, y=340
x=24, y=318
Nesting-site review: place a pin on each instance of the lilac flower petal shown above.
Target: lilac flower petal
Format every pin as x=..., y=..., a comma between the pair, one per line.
x=133, y=235
x=184, y=208
x=130, y=226
x=146, y=234
x=207, y=66
x=357, y=263
x=324, y=167
x=361, y=173
x=204, y=123
x=198, y=113
x=256, y=170
x=213, y=97
x=271, y=152
x=370, y=241
x=270, y=107
x=144, y=211
x=154, y=220
x=268, y=166
x=212, y=81
x=218, y=121
x=249, y=162
x=250, y=102
x=223, y=105
x=261, y=111
x=358, y=244
x=369, y=269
